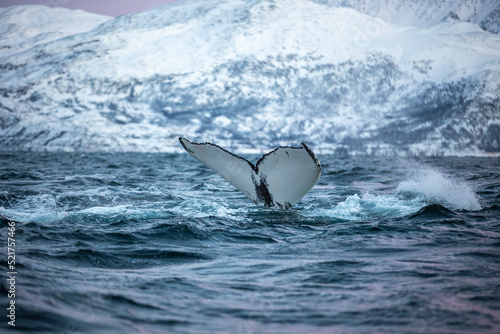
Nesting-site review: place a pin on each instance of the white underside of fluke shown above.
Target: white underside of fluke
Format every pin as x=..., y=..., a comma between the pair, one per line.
x=279, y=179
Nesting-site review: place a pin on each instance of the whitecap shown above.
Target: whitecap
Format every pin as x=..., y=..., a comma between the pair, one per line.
x=201, y=208
x=437, y=188
x=356, y=207
x=40, y=208
x=423, y=186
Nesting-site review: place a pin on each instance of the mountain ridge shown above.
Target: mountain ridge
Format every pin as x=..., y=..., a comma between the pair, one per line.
x=255, y=74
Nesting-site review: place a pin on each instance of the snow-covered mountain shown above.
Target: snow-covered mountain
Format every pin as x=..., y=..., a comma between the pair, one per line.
x=424, y=13
x=23, y=27
x=251, y=75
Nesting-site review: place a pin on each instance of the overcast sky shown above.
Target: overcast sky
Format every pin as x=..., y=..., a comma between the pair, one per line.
x=105, y=7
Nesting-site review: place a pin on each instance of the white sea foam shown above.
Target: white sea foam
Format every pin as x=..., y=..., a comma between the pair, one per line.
x=127, y=211
x=202, y=208
x=38, y=208
x=423, y=186
x=437, y=188
x=368, y=205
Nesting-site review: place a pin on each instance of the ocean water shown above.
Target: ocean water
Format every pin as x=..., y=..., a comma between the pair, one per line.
x=157, y=243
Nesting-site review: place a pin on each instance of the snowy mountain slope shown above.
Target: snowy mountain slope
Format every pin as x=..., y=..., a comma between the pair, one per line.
x=424, y=13
x=22, y=27
x=255, y=74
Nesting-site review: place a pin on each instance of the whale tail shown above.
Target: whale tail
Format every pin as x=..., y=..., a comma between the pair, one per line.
x=279, y=179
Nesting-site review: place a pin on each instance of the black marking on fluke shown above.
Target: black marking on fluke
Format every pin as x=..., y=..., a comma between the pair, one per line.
x=261, y=186
x=263, y=195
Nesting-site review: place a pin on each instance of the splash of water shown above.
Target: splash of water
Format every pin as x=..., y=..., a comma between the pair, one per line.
x=423, y=186
x=369, y=205
x=437, y=188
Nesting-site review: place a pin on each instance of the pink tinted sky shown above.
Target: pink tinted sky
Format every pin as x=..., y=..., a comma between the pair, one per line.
x=105, y=7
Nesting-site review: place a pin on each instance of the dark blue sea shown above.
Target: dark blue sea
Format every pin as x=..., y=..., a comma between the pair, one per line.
x=157, y=243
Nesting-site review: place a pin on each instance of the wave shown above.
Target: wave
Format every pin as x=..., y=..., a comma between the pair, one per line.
x=47, y=209
x=139, y=257
x=437, y=214
x=422, y=186
x=358, y=207
x=424, y=189
x=433, y=211
x=437, y=188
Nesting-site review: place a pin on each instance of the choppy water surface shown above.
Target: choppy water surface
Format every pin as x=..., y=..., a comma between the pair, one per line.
x=156, y=243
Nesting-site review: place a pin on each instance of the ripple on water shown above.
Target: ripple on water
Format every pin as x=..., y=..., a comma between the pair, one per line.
x=157, y=243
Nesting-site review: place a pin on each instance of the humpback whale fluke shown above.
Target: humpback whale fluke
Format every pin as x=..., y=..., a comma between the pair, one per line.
x=279, y=179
